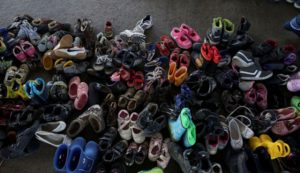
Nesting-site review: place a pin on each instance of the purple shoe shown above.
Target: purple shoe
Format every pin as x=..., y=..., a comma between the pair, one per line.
x=293, y=85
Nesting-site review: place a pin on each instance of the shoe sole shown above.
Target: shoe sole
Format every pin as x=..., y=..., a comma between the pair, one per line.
x=61, y=53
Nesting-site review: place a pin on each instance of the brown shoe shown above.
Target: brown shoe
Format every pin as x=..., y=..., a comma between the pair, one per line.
x=136, y=101
x=65, y=42
x=124, y=98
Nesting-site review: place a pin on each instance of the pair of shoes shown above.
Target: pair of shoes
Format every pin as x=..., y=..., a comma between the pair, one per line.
x=37, y=90
x=136, y=153
x=181, y=59
x=41, y=25
x=57, y=112
x=129, y=59
x=137, y=34
x=275, y=149
x=210, y=53
x=115, y=152
x=258, y=94
x=249, y=68
x=184, y=36
x=132, y=78
x=184, y=127
x=86, y=32
x=93, y=116
x=14, y=74
x=58, y=89
x=221, y=31
x=128, y=127
x=78, y=91
x=165, y=45
x=48, y=133
x=26, y=31
x=68, y=50
x=25, y=51
x=242, y=39
x=148, y=122
x=77, y=157
x=177, y=74
x=132, y=99
x=287, y=122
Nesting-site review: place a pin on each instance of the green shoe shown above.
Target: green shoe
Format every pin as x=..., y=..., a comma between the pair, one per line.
x=228, y=30
x=214, y=34
x=153, y=170
x=190, y=136
x=295, y=102
x=179, y=126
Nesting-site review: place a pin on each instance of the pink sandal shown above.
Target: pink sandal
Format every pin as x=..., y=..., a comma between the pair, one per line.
x=19, y=53
x=181, y=39
x=285, y=127
x=82, y=96
x=190, y=32
x=73, y=86
x=28, y=48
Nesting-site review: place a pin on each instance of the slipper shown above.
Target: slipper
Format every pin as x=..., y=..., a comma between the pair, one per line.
x=190, y=32
x=73, y=87
x=22, y=74
x=82, y=96
x=19, y=53
x=47, y=60
x=180, y=38
x=285, y=127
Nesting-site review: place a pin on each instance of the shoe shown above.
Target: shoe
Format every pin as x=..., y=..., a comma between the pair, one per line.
x=189, y=138
x=124, y=124
x=228, y=29
x=179, y=126
x=215, y=33
x=243, y=59
x=142, y=153
x=236, y=139
x=106, y=141
x=180, y=75
x=116, y=152
x=254, y=72
x=137, y=133
x=57, y=112
x=124, y=98
x=155, y=125
x=73, y=87
x=293, y=25
x=180, y=38
x=144, y=24
x=177, y=154
x=82, y=121
x=153, y=170
x=54, y=127
x=82, y=96
x=96, y=118
x=155, y=147
x=132, y=36
x=136, y=101
x=78, y=53
x=118, y=168
x=190, y=32
x=97, y=93
x=147, y=114
x=52, y=139
x=212, y=143
x=130, y=154
x=72, y=69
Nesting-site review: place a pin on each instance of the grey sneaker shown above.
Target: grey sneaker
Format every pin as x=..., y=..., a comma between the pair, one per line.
x=177, y=154
x=214, y=34
x=254, y=72
x=144, y=24
x=243, y=59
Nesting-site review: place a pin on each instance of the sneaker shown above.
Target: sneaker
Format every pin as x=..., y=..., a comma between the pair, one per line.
x=254, y=72
x=130, y=154
x=228, y=29
x=243, y=59
x=106, y=141
x=52, y=139
x=215, y=33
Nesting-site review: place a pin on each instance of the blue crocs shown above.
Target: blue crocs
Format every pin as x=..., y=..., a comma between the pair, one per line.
x=62, y=154
x=74, y=154
x=84, y=160
x=179, y=126
x=28, y=89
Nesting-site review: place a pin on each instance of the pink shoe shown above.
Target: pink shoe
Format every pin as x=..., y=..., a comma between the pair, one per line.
x=28, y=48
x=190, y=32
x=181, y=39
x=19, y=54
x=261, y=95
x=185, y=59
x=250, y=96
x=125, y=75
x=115, y=77
x=73, y=85
x=82, y=96
x=293, y=85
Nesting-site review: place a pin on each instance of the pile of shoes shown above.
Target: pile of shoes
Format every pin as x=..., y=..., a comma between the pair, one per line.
x=110, y=101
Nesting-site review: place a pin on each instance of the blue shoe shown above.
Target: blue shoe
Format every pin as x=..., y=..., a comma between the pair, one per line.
x=61, y=155
x=186, y=91
x=179, y=126
x=87, y=158
x=179, y=103
x=74, y=154
x=294, y=24
x=39, y=88
x=28, y=89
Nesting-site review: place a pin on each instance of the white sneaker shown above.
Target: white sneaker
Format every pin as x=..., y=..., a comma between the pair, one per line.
x=52, y=138
x=54, y=127
x=144, y=24
x=124, y=124
x=246, y=132
x=236, y=139
x=132, y=36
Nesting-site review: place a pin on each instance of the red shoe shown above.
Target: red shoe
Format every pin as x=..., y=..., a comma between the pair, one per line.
x=165, y=45
x=175, y=56
x=216, y=55
x=138, y=80
x=130, y=82
x=206, y=52
x=185, y=59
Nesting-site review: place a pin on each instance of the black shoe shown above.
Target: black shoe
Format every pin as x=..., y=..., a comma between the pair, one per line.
x=254, y=72
x=147, y=115
x=142, y=153
x=97, y=93
x=177, y=154
x=241, y=42
x=130, y=154
x=242, y=59
x=118, y=167
x=116, y=152
x=244, y=26
x=57, y=112
x=236, y=161
x=155, y=126
x=106, y=141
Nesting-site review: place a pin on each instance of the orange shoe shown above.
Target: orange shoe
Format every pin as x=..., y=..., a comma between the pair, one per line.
x=180, y=75
x=47, y=60
x=171, y=73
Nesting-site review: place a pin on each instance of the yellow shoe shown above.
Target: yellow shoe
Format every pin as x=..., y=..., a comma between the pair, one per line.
x=10, y=93
x=47, y=60
x=254, y=142
x=171, y=73
x=275, y=149
x=180, y=75
x=19, y=91
x=286, y=148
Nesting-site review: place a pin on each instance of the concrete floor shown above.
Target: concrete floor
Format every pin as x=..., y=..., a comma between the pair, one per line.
x=266, y=18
